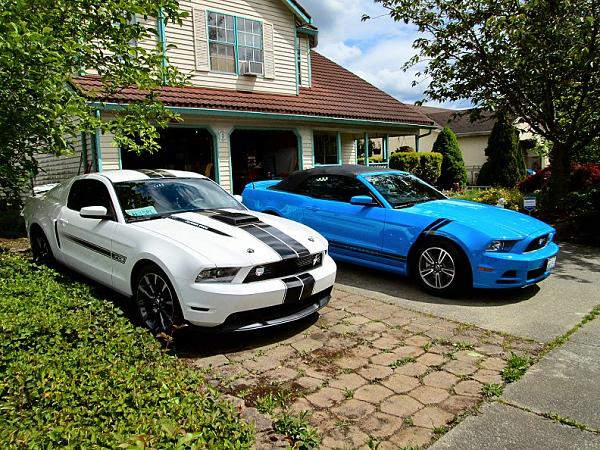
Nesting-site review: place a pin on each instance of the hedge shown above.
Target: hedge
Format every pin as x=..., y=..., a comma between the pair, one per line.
x=78, y=374
x=427, y=166
x=513, y=198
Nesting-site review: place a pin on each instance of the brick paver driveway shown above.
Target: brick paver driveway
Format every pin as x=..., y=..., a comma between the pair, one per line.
x=367, y=371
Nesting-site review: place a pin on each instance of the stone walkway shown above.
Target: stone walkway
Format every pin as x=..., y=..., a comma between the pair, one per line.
x=367, y=371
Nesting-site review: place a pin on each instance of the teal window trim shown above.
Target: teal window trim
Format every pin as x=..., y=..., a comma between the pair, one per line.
x=236, y=45
x=297, y=58
x=366, y=148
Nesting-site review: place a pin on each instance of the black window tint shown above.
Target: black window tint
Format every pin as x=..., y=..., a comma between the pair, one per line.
x=89, y=193
x=333, y=187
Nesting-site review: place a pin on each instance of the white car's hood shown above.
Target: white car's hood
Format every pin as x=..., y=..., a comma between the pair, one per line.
x=243, y=238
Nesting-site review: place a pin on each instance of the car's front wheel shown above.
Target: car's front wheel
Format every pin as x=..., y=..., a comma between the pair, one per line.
x=440, y=268
x=156, y=302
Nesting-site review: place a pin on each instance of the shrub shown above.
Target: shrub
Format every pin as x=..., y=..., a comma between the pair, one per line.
x=426, y=166
x=372, y=159
x=583, y=176
x=536, y=182
x=453, y=173
x=514, y=198
x=504, y=166
x=78, y=374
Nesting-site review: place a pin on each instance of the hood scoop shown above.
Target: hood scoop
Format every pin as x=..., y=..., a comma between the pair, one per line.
x=235, y=219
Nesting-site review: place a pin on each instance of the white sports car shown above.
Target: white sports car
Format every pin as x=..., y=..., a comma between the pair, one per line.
x=183, y=249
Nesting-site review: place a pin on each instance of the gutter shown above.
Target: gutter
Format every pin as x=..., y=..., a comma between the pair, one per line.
x=272, y=116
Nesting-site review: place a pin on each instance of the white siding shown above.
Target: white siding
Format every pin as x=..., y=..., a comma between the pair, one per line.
x=307, y=147
x=348, y=149
x=270, y=11
x=110, y=152
x=54, y=169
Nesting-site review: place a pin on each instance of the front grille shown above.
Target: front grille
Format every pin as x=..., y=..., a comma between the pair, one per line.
x=284, y=268
x=532, y=274
x=537, y=243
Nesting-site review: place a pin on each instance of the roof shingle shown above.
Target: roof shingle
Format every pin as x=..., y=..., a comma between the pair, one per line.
x=459, y=120
x=335, y=92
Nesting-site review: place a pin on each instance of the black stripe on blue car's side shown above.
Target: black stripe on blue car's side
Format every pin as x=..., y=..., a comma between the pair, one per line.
x=96, y=248
x=432, y=224
x=367, y=251
x=198, y=225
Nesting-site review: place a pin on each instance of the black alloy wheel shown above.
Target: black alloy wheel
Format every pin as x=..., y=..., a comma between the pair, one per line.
x=156, y=302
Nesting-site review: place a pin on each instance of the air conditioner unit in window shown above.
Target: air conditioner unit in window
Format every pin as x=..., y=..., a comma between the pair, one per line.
x=251, y=68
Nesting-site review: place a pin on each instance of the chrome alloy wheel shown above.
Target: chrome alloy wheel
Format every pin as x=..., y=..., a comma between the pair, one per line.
x=437, y=268
x=155, y=302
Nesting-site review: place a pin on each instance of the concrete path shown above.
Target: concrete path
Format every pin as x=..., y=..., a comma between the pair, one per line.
x=564, y=384
x=540, y=312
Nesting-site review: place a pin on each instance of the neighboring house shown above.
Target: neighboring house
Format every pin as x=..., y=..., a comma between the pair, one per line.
x=260, y=104
x=472, y=138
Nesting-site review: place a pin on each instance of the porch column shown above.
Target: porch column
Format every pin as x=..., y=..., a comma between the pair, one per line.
x=386, y=145
x=366, y=148
x=223, y=156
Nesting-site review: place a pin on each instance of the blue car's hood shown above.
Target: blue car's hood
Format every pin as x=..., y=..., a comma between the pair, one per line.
x=494, y=221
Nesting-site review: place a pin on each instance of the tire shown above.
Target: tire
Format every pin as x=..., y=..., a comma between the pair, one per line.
x=40, y=247
x=155, y=301
x=441, y=268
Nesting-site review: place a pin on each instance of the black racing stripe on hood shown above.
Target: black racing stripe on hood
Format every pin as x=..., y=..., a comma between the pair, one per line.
x=284, y=250
x=293, y=243
x=285, y=245
x=198, y=225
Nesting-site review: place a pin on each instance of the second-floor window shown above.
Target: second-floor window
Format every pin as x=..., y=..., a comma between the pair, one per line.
x=235, y=44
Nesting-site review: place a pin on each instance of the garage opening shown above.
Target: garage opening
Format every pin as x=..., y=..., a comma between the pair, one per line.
x=262, y=155
x=189, y=149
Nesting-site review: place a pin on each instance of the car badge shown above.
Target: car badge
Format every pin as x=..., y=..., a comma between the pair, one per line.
x=311, y=239
x=316, y=260
x=250, y=250
x=541, y=241
x=260, y=271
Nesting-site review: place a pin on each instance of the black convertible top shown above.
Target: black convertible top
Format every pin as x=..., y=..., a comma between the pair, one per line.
x=350, y=170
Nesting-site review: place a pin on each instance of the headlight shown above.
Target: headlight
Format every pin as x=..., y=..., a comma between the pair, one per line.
x=218, y=275
x=500, y=246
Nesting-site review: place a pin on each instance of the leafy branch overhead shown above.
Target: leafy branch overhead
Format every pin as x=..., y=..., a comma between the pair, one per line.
x=536, y=60
x=43, y=45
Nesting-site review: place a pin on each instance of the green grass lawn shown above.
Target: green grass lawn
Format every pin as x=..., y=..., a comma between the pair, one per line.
x=76, y=373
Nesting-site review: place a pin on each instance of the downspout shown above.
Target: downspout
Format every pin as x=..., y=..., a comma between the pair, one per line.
x=162, y=36
x=418, y=139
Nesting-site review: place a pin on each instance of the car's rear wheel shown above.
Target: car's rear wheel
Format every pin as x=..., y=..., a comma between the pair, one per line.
x=440, y=268
x=156, y=302
x=40, y=247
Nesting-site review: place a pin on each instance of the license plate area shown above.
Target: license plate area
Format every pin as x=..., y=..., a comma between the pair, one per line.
x=551, y=263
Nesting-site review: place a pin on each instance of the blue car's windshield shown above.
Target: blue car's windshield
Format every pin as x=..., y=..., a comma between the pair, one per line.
x=154, y=198
x=402, y=190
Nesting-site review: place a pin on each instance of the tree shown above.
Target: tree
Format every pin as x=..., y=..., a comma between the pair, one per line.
x=505, y=166
x=537, y=59
x=454, y=173
x=43, y=44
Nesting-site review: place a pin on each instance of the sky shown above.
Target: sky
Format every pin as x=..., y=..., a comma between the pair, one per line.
x=374, y=50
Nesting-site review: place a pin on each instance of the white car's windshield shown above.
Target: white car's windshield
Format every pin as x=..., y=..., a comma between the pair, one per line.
x=147, y=199
x=402, y=190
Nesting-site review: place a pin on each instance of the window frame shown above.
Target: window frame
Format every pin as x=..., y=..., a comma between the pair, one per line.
x=299, y=189
x=236, y=44
x=110, y=207
x=338, y=148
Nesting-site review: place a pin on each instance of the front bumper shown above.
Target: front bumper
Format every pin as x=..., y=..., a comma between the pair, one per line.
x=513, y=270
x=253, y=305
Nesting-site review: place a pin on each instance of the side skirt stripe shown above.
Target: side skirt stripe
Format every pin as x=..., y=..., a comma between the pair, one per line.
x=367, y=251
x=96, y=248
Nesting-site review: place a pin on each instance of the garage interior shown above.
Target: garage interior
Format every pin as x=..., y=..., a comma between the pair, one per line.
x=262, y=155
x=189, y=149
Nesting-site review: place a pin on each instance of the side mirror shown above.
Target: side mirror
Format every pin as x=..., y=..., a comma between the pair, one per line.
x=94, y=212
x=363, y=200
x=238, y=197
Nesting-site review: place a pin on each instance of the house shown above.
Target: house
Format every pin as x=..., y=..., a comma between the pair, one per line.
x=472, y=138
x=261, y=101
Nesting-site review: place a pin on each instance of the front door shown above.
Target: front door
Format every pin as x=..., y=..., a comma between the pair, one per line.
x=86, y=243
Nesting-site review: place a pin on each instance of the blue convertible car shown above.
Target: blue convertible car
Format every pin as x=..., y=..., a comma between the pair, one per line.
x=391, y=220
